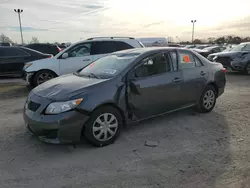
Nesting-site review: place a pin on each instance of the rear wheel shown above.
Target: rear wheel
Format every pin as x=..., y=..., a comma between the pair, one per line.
x=248, y=69
x=42, y=76
x=207, y=100
x=103, y=126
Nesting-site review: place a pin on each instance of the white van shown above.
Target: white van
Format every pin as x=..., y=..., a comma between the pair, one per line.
x=75, y=57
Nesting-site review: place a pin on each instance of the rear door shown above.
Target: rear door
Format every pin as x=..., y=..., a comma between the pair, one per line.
x=78, y=57
x=155, y=87
x=13, y=60
x=195, y=75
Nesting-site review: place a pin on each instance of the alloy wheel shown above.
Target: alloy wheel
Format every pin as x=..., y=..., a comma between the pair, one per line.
x=209, y=99
x=105, y=127
x=43, y=77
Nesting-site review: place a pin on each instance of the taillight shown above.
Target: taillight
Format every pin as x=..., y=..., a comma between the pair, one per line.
x=59, y=49
x=50, y=56
x=224, y=70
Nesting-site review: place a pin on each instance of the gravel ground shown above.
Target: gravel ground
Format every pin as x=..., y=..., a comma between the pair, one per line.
x=194, y=150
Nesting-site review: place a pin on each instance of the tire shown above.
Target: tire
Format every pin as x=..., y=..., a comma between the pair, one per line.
x=248, y=69
x=96, y=125
x=207, y=100
x=45, y=74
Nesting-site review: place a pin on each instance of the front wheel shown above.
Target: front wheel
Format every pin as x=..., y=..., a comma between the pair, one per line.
x=42, y=76
x=103, y=126
x=207, y=100
x=248, y=69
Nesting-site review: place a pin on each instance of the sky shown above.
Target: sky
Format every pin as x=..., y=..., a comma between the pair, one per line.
x=74, y=20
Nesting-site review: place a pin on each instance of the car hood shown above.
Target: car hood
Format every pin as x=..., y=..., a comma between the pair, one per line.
x=45, y=60
x=65, y=87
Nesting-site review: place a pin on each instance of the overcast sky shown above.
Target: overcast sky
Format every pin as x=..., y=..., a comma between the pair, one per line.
x=72, y=20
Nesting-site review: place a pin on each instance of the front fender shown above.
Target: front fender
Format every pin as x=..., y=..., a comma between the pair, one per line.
x=48, y=64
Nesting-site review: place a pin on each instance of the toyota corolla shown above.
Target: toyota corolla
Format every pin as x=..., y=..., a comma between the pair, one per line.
x=121, y=88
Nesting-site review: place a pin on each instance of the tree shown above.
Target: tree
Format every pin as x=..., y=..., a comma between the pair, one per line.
x=4, y=38
x=220, y=40
x=197, y=41
x=34, y=40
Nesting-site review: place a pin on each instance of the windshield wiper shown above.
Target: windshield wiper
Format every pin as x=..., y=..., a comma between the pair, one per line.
x=92, y=75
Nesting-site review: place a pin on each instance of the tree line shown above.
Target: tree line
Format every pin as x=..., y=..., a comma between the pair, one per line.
x=220, y=40
x=230, y=39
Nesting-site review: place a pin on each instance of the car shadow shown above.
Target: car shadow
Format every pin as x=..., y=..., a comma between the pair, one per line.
x=192, y=150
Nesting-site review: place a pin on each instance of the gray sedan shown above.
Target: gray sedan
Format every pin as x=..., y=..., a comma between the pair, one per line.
x=121, y=88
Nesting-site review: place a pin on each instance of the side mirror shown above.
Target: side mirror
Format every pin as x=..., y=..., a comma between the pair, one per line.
x=65, y=55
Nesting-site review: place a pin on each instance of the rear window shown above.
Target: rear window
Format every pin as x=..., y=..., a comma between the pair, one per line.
x=13, y=52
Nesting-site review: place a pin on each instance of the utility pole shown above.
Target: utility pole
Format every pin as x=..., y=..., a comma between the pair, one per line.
x=19, y=11
x=193, y=21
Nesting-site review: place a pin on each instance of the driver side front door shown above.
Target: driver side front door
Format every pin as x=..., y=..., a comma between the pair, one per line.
x=78, y=57
x=155, y=87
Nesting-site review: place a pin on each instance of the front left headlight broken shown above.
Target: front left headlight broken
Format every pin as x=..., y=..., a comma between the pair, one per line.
x=59, y=107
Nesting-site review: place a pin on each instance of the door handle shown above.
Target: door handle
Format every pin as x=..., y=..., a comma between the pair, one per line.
x=203, y=73
x=176, y=80
x=86, y=60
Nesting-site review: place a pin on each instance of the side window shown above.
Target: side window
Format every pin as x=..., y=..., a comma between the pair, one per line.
x=186, y=60
x=103, y=47
x=247, y=48
x=174, y=58
x=153, y=65
x=14, y=52
x=80, y=50
x=198, y=62
x=122, y=46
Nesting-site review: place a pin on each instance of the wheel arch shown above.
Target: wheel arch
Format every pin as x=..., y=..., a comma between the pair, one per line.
x=103, y=105
x=215, y=86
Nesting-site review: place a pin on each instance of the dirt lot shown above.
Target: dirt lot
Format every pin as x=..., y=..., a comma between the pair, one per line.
x=193, y=151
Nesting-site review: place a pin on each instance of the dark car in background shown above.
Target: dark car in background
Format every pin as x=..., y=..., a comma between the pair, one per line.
x=209, y=50
x=12, y=59
x=237, y=59
x=123, y=87
x=45, y=48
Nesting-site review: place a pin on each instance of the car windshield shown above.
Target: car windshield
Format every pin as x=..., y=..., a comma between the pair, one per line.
x=237, y=48
x=108, y=66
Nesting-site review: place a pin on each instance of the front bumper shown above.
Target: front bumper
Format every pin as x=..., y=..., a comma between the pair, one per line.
x=27, y=76
x=60, y=128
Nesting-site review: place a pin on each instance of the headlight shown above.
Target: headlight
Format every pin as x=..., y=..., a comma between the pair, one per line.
x=59, y=107
x=26, y=65
x=215, y=57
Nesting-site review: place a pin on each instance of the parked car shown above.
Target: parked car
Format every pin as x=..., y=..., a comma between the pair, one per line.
x=12, y=59
x=202, y=46
x=209, y=50
x=122, y=87
x=45, y=48
x=190, y=46
x=237, y=59
x=5, y=44
x=75, y=57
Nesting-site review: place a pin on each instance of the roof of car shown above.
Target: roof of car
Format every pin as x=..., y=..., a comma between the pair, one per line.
x=146, y=49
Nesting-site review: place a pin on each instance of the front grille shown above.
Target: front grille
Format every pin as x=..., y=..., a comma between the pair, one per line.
x=33, y=106
x=225, y=61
